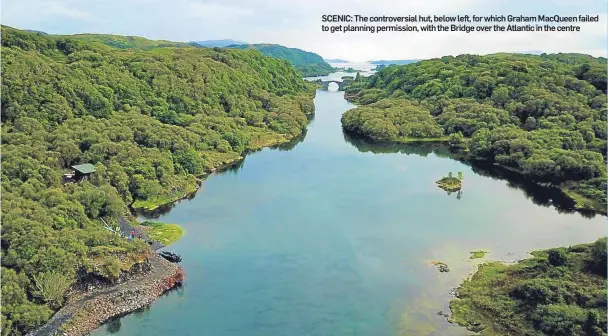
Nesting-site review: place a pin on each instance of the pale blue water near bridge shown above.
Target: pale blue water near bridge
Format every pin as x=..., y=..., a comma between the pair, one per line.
x=330, y=238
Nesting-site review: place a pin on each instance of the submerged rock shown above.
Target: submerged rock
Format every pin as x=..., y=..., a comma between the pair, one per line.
x=441, y=266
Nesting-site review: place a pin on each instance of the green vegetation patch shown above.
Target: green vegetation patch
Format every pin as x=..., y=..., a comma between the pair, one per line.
x=163, y=233
x=478, y=254
x=560, y=291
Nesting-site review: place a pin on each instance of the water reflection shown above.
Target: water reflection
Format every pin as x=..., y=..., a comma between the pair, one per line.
x=539, y=194
x=113, y=325
x=287, y=146
x=423, y=149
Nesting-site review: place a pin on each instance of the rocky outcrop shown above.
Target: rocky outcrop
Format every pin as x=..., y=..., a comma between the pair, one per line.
x=83, y=314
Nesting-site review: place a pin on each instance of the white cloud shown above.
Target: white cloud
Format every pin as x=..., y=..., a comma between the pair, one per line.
x=28, y=13
x=63, y=9
x=214, y=11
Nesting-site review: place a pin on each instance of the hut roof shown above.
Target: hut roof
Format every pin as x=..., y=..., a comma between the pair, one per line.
x=86, y=168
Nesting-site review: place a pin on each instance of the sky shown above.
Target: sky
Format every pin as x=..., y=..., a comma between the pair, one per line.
x=297, y=24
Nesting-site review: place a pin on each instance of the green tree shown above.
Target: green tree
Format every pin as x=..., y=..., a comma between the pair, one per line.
x=530, y=123
x=51, y=287
x=500, y=96
x=456, y=139
x=190, y=160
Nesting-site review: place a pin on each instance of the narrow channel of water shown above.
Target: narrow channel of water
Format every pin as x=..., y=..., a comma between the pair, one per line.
x=335, y=237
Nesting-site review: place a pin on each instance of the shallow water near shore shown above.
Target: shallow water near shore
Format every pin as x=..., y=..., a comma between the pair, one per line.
x=335, y=236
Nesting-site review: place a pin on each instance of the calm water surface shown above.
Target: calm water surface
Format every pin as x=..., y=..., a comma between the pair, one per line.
x=335, y=237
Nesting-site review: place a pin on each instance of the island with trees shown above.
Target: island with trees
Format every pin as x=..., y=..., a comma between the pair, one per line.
x=347, y=70
x=451, y=183
x=153, y=121
x=542, y=116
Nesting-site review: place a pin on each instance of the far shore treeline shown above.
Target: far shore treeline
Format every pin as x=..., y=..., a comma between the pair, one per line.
x=151, y=119
x=543, y=116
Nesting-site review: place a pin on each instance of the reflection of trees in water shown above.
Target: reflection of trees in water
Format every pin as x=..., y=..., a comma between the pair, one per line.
x=421, y=149
x=141, y=312
x=287, y=146
x=542, y=195
x=113, y=326
x=163, y=209
x=458, y=193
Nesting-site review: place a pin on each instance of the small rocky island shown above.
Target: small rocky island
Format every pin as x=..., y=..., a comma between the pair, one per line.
x=450, y=183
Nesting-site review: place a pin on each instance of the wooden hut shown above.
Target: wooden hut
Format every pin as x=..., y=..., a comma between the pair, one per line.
x=83, y=171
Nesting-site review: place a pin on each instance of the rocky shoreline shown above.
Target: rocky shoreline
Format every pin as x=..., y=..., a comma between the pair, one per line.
x=86, y=311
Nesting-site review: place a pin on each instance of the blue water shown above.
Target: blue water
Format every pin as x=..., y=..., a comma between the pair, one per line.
x=333, y=237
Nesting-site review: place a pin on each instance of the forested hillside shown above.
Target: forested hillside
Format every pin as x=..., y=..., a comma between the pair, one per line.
x=150, y=121
x=127, y=42
x=560, y=291
x=543, y=116
x=308, y=63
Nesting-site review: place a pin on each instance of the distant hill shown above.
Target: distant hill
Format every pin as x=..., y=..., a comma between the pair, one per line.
x=531, y=52
x=396, y=62
x=307, y=63
x=140, y=43
x=127, y=42
x=36, y=31
x=217, y=43
x=337, y=60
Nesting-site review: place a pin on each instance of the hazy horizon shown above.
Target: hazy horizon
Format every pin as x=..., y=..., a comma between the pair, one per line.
x=297, y=25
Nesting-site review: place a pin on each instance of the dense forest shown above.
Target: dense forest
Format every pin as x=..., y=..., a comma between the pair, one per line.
x=560, y=292
x=151, y=121
x=543, y=116
x=307, y=63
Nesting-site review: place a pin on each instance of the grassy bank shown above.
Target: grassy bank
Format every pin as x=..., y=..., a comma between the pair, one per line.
x=156, y=202
x=443, y=139
x=584, y=203
x=163, y=233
